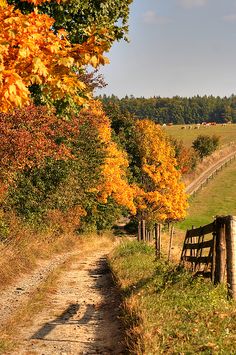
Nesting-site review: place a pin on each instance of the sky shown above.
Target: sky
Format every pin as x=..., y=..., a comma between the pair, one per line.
x=177, y=47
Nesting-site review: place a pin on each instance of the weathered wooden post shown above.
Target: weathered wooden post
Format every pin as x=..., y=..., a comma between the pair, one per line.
x=171, y=239
x=146, y=234
x=231, y=254
x=193, y=252
x=220, y=250
x=139, y=231
x=157, y=241
x=143, y=230
x=151, y=235
x=213, y=264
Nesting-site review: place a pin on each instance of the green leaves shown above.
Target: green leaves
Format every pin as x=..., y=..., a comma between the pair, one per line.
x=204, y=145
x=76, y=16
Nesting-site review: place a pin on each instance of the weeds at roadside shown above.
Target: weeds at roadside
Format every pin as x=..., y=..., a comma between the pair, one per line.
x=174, y=313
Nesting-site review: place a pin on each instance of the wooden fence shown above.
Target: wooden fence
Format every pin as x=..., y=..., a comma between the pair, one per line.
x=149, y=234
x=211, y=251
x=208, y=174
x=198, y=250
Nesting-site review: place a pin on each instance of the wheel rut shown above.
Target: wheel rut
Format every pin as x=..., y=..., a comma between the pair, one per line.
x=82, y=316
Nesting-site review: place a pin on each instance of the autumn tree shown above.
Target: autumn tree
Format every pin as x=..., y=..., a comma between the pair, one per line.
x=76, y=17
x=28, y=137
x=54, y=192
x=37, y=61
x=186, y=157
x=153, y=170
x=83, y=176
x=54, y=168
x=160, y=196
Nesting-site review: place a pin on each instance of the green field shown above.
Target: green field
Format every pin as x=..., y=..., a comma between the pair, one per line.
x=227, y=133
x=218, y=197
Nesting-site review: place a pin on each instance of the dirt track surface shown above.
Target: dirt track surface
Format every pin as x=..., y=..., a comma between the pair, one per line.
x=81, y=318
x=18, y=293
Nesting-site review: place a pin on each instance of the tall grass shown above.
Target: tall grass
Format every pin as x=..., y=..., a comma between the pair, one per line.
x=24, y=247
x=167, y=311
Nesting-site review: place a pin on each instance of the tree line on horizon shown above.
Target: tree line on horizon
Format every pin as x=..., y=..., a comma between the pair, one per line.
x=176, y=110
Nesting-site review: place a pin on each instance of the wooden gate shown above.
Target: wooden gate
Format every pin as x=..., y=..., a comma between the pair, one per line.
x=211, y=251
x=198, y=250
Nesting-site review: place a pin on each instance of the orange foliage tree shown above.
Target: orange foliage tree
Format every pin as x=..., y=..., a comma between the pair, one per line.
x=31, y=53
x=160, y=194
x=186, y=157
x=114, y=181
x=58, y=168
x=29, y=136
x=40, y=152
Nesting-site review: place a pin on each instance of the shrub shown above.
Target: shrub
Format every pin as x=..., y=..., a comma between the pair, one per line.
x=205, y=145
x=187, y=158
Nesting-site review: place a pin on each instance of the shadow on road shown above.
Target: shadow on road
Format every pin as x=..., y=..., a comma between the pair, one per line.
x=103, y=317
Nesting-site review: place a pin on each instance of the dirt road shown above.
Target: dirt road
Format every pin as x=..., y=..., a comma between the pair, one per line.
x=196, y=183
x=82, y=316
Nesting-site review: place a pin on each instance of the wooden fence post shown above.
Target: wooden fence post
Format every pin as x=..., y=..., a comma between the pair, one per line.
x=143, y=230
x=139, y=231
x=151, y=235
x=146, y=235
x=213, y=264
x=157, y=241
x=171, y=239
x=231, y=255
x=220, y=251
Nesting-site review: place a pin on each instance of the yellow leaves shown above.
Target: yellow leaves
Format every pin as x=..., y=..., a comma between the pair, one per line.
x=13, y=91
x=97, y=60
x=52, y=48
x=39, y=2
x=80, y=85
x=94, y=61
x=67, y=62
x=39, y=67
x=35, y=79
x=103, y=60
x=24, y=52
x=30, y=48
x=113, y=171
x=3, y=3
x=162, y=195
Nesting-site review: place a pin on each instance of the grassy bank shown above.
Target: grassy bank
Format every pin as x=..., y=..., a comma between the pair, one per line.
x=217, y=198
x=169, y=312
x=26, y=248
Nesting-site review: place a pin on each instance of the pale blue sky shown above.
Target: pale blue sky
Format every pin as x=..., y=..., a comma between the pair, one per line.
x=177, y=47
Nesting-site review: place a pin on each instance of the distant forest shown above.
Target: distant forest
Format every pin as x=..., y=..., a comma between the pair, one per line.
x=176, y=110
